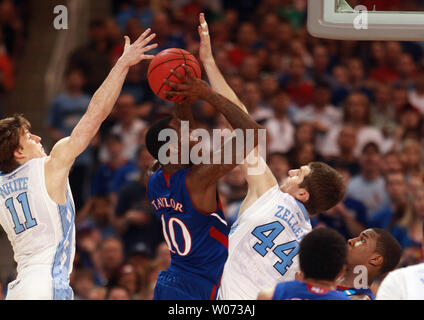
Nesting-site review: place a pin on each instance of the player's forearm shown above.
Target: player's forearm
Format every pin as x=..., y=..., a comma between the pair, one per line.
x=105, y=97
x=99, y=108
x=237, y=118
x=220, y=85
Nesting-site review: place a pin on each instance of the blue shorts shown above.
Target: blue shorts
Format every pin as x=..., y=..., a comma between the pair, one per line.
x=179, y=285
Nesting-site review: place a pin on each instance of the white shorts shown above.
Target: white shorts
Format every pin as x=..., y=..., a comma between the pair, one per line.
x=37, y=284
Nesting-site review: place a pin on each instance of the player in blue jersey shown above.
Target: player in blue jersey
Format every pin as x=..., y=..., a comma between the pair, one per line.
x=184, y=196
x=378, y=252
x=322, y=258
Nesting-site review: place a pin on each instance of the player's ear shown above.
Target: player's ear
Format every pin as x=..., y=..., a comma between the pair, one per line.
x=302, y=195
x=376, y=260
x=299, y=276
x=18, y=153
x=341, y=273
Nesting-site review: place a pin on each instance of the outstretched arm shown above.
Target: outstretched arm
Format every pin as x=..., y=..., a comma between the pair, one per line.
x=202, y=178
x=258, y=184
x=65, y=151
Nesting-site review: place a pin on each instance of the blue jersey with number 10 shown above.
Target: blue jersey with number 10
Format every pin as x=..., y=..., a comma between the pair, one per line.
x=198, y=241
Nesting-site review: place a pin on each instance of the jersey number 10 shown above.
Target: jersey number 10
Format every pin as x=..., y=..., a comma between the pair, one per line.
x=29, y=220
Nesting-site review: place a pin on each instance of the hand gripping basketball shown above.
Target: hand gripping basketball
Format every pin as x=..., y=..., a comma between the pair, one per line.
x=189, y=86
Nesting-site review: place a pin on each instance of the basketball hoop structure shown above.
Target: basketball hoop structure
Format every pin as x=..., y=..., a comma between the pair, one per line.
x=336, y=19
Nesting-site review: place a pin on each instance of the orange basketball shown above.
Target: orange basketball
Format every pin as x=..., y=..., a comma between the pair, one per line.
x=163, y=63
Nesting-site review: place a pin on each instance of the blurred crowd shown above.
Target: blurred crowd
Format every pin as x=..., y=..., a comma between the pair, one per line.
x=14, y=16
x=356, y=105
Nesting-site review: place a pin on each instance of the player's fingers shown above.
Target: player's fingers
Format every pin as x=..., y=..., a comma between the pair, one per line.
x=203, y=25
x=143, y=36
x=147, y=40
x=203, y=22
x=149, y=47
x=189, y=74
x=148, y=56
x=127, y=42
x=175, y=93
x=178, y=75
x=176, y=85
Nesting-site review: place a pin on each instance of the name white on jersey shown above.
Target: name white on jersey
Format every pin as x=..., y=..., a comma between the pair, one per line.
x=41, y=231
x=263, y=245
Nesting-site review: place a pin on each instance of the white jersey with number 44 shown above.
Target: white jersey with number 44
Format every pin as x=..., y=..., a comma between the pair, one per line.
x=41, y=232
x=263, y=245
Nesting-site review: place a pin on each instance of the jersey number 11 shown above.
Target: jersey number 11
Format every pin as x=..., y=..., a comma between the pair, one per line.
x=29, y=220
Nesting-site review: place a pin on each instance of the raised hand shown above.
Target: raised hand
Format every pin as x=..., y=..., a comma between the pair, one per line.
x=205, y=49
x=192, y=88
x=135, y=53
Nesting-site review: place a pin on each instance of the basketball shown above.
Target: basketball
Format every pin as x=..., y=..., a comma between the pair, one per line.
x=160, y=68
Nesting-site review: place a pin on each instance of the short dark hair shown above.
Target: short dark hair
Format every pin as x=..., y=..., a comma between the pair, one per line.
x=153, y=144
x=11, y=130
x=322, y=254
x=389, y=248
x=325, y=186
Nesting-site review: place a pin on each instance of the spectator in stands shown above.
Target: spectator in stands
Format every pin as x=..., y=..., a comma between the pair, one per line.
x=117, y=293
x=280, y=130
x=132, y=171
x=412, y=159
x=12, y=27
x=369, y=186
x=166, y=35
x=82, y=283
x=250, y=68
x=411, y=124
x=103, y=177
x=409, y=229
x=246, y=43
x=139, y=10
x=97, y=213
x=134, y=219
x=391, y=163
x=66, y=109
x=321, y=113
x=296, y=84
x=252, y=99
x=416, y=95
x=269, y=87
x=110, y=259
x=129, y=279
x=321, y=68
x=356, y=114
x=406, y=69
x=346, y=157
x=94, y=57
x=393, y=212
x=383, y=111
x=340, y=84
x=279, y=165
x=128, y=127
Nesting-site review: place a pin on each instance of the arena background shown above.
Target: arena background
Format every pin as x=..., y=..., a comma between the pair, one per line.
x=303, y=89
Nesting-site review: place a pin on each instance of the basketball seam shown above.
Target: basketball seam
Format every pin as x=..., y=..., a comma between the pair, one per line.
x=168, y=61
x=185, y=62
x=168, y=79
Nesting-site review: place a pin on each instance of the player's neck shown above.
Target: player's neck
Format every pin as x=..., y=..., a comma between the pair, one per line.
x=325, y=284
x=348, y=280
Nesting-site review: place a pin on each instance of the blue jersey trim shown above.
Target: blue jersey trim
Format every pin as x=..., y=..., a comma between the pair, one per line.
x=303, y=209
x=60, y=269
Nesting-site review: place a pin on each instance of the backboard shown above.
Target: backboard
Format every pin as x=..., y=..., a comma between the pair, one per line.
x=336, y=19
